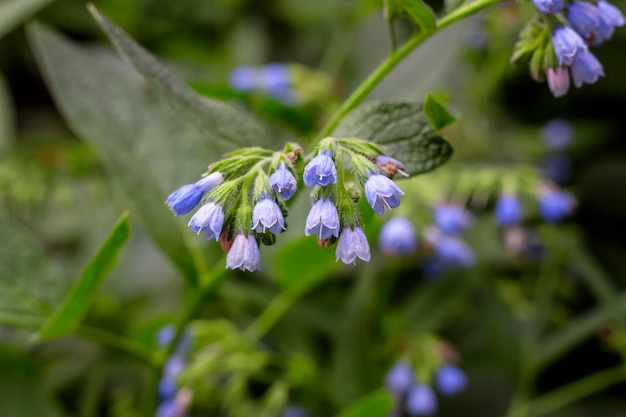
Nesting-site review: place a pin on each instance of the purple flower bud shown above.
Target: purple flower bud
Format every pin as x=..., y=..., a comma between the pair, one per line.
x=352, y=244
x=209, y=182
x=321, y=170
x=173, y=366
x=452, y=251
x=450, y=380
x=169, y=409
x=399, y=378
x=558, y=81
x=583, y=17
x=555, y=205
x=397, y=237
x=210, y=218
x=586, y=69
x=165, y=335
x=567, y=43
x=283, y=182
x=183, y=200
x=382, y=193
x=323, y=220
x=275, y=79
x=267, y=215
x=167, y=389
x=244, y=254
x=557, y=133
x=243, y=79
x=421, y=401
x=609, y=17
x=508, y=210
x=450, y=218
x=549, y=6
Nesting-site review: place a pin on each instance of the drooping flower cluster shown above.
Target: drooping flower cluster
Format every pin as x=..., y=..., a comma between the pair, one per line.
x=172, y=401
x=273, y=79
x=243, y=198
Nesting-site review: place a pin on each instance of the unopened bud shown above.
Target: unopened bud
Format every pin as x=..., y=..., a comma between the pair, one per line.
x=558, y=81
x=389, y=167
x=226, y=241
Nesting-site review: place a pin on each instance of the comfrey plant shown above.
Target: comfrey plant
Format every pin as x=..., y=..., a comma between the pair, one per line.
x=243, y=198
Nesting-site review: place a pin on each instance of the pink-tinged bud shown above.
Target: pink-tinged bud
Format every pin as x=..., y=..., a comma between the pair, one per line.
x=558, y=81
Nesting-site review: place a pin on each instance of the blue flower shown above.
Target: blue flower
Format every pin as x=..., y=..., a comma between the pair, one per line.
x=556, y=168
x=352, y=244
x=567, y=43
x=244, y=254
x=283, y=182
x=609, y=17
x=583, y=17
x=558, y=81
x=323, y=220
x=399, y=378
x=450, y=380
x=452, y=251
x=450, y=218
x=275, y=79
x=243, y=79
x=557, y=133
x=508, y=210
x=381, y=193
x=321, y=170
x=293, y=412
x=549, y=6
x=209, y=182
x=267, y=215
x=165, y=335
x=555, y=205
x=210, y=218
x=169, y=409
x=421, y=401
x=173, y=366
x=586, y=69
x=183, y=200
x=167, y=388
x=397, y=237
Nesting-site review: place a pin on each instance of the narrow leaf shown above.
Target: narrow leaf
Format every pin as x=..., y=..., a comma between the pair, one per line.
x=14, y=12
x=231, y=125
x=420, y=14
x=68, y=317
x=376, y=404
x=403, y=131
x=436, y=113
x=7, y=122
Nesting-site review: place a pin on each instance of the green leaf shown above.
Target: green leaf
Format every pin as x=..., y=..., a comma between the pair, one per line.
x=436, y=113
x=376, y=404
x=68, y=317
x=220, y=120
x=7, y=121
x=403, y=131
x=145, y=148
x=420, y=14
x=14, y=12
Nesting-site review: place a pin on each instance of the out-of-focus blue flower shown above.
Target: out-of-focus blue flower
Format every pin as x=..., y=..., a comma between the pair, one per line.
x=476, y=37
x=173, y=366
x=549, y=6
x=267, y=215
x=586, y=69
x=450, y=218
x=397, y=237
x=556, y=168
x=399, y=378
x=167, y=389
x=609, y=17
x=183, y=200
x=169, y=409
x=452, y=251
x=557, y=133
x=244, y=79
x=583, y=17
x=450, y=380
x=293, y=412
x=283, y=182
x=567, y=43
x=244, y=254
x=210, y=218
x=276, y=80
x=508, y=210
x=382, y=193
x=323, y=220
x=165, y=335
x=558, y=81
x=555, y=205
x=352, y=244
x=320, y=170
x=421, y=401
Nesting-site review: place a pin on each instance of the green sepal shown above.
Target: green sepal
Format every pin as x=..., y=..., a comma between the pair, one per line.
x=536, y=65
x=533, y=36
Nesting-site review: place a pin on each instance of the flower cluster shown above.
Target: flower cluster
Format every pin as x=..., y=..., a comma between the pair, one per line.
x=273, y=79
x=243, y=198
x=172, y=401
x=574, y=27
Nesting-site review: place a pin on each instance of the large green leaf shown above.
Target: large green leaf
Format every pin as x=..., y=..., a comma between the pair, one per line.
x=376, y=404
x=403, y=131
x=146, y=148
x=218, y=119
x=30, y=284
x=68, y=317
x=14, y=12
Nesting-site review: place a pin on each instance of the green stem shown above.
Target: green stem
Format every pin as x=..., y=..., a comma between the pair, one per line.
x=395, y=58
x=272, y=313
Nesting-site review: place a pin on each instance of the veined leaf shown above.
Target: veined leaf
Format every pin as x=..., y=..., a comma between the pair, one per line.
x=69, y=315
